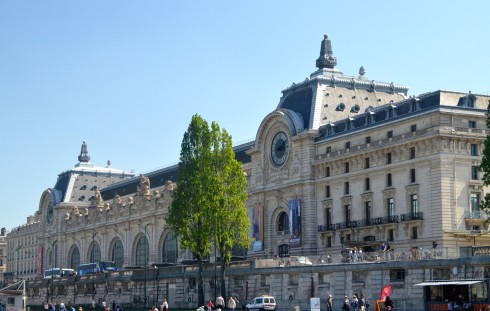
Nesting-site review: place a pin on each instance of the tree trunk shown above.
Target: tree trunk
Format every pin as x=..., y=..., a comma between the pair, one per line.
x=200, y=282
x=222, y=280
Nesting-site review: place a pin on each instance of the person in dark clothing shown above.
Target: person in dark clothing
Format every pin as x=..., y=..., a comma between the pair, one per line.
x=389, y=303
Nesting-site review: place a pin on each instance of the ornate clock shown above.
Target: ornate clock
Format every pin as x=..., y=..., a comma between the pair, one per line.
x=280, y=148
x=50, y=212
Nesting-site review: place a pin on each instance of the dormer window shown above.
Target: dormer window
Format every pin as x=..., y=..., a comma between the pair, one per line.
x=414, y=105
x=467, y=101
x=340, y=107
x=355, y=109
x=84, y=187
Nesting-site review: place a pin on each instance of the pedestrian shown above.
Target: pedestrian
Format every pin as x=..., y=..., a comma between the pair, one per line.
x=389, y=304
x=346, y=304
x=329, y=303
x=220, y=303
x=367, y=305
x=450, y=306
x=354, y=303
x=165, y=305
x=113, y=305
x=362, y=303
x=231, y=304
x=237, y=302
x=62, y=306
x=210, y=305
x=80, y=309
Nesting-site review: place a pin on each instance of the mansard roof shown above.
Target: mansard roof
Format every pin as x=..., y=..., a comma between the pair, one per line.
x=161, y=176
x=79, y=183
x=329, y=95
x=373, y=116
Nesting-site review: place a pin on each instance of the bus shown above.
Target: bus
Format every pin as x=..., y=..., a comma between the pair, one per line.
x=58, y=273
x=96, y=267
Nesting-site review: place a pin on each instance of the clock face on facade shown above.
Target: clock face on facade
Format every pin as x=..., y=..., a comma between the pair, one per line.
x=280, y=148
x=50, y=212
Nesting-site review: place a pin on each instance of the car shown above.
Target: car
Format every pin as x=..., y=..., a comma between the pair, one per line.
x=261, y=303
x=300, y=260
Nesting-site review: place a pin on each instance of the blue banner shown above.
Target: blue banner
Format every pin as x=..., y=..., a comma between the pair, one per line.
x=294, y=222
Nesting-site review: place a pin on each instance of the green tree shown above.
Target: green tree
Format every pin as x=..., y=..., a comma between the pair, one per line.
x=232, y=222
x=189, y=216
x=209, y=200
x=485, y=167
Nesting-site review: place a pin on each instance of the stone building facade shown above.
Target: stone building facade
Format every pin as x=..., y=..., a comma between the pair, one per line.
x=342, y=167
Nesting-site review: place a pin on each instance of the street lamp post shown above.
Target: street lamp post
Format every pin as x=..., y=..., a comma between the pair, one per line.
x=53, y=266
x=146, y=262
x=156, y=286
x=17, y=262
x=92, y=259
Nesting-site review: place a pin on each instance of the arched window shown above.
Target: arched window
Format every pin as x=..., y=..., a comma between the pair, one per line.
x=142, y=252
x=95, y=252
x=75, y=258
x=117, y=254
x=283, y=223
x=169, y=248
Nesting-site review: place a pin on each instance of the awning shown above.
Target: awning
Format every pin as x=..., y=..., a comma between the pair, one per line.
x=453, y=282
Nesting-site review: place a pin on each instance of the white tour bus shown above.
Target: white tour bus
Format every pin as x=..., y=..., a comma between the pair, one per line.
x=58, y=273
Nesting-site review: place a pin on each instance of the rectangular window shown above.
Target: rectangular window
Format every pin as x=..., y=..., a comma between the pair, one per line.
x=327, y=191
x=368, y=139
x=329, y=241
x=388, y=158
x=413, y=128
x=367, y=211
x=347, y=145
x=347, y=214
x=346, y=188
x=391, y=235
x=367, y=184
x=472, y=124
x=414, y=233
x=390, y=206
x=389, y=134
x=388, y=180
x=346, y=170
x=475, y=203
x=1, y=262
x=412, y=153
x=327, y=171
x=329, y=217
x=412, y=175
x=397, y=275
x=366, y=162
x=414, y=206
x=329, y=149
x=474, y=172
x=474, y=149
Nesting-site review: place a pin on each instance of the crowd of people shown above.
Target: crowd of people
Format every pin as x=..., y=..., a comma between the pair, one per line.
x=219, y=304
x=52, y=306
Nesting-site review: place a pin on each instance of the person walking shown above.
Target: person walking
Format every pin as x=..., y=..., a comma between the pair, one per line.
x=346, y=304
x=231, y=304
x=329, y=303
x=389, y=303
x=165, y=305
x=210, y=305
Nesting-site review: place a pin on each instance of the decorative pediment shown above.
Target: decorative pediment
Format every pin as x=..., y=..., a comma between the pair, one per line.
x=389, y=193
x=367, y=197
x=412, y=189
x=328, y=203
x=346, y=200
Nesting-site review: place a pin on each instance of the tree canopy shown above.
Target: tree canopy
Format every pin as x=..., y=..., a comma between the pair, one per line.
x=209, y=201
x=485, y=167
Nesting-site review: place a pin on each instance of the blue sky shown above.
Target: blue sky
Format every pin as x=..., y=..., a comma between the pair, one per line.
x=126, y=76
